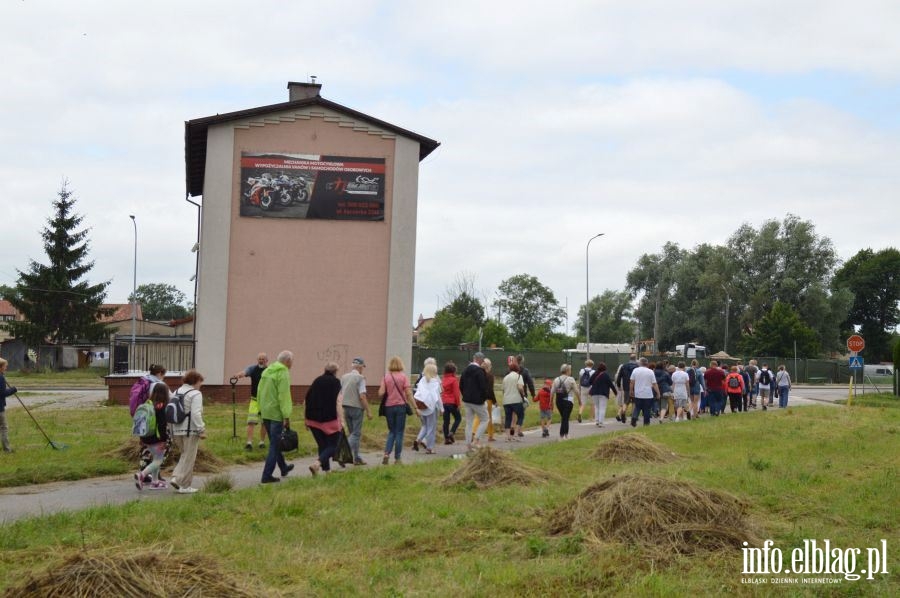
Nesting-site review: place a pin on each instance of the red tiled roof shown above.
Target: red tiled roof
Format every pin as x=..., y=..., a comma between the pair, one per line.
x=7, y=309
x=122, y=312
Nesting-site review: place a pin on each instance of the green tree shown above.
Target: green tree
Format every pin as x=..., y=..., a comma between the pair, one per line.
x=160, y=301
x=456, y=323
x=527, y=304
x=58, y=306
x=496, y=334
x=541, y=338
x=776, y=333
x=611, y=318
x=874, y=279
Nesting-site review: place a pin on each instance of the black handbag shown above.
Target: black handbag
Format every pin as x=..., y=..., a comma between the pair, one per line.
x=289, y=441
x=344, y=454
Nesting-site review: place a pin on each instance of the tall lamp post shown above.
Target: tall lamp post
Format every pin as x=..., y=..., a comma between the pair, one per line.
x=727, y=305
x=587, y=288
x=134, y=292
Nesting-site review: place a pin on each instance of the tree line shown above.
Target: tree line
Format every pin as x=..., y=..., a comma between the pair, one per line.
x=765, y=291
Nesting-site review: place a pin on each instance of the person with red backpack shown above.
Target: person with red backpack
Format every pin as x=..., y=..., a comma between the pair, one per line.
x=734, y=386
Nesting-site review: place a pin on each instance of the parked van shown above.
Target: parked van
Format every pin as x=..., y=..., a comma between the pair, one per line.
x=878, y=369
x=691, y=351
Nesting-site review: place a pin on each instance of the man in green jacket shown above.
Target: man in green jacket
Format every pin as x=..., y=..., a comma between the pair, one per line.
x=275, y=406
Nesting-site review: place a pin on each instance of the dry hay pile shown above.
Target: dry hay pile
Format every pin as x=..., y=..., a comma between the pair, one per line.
x=489, y=467
x=632, y=448
x=137, y=574
x=657, y=514
x=130, y=451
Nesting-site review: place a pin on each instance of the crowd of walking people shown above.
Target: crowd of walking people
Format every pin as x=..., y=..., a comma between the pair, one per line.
x=335, y=408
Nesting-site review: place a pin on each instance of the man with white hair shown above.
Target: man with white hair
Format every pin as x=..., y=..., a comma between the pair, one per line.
x=275, y=407
x=356, y=405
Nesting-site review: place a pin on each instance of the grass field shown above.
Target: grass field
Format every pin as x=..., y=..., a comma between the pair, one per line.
x=807, y=473
x=78, y=378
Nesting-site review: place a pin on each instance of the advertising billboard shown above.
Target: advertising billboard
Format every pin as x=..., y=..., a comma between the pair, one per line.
x=312, y=186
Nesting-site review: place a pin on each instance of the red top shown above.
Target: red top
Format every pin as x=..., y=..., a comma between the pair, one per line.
x=740, y=379
x=450, y=390
x=715, y=378
x=543, y=397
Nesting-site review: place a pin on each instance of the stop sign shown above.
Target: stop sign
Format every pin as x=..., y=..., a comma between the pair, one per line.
x=856, y=343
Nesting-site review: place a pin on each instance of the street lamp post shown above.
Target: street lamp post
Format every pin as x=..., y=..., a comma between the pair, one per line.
x=134, y=292
x=727, y=305
x=587, y=288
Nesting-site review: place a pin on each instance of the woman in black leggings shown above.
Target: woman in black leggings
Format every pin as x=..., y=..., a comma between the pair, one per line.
x=563, y=389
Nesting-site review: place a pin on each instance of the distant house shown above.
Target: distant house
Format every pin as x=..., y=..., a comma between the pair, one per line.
x=8, y=313
x=423, y=325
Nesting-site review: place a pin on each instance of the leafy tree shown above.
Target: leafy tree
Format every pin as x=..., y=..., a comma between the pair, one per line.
x=496, y=334
x=160, y=301
x=58, y=305
x=776, y=333
x=527, y=304
x=456, y=323
x=683, y=294
x=541, y=338
x=448, y=329
x=874, y=279
x=611, y=318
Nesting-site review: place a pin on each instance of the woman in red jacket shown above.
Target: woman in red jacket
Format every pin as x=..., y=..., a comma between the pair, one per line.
x=450, y=397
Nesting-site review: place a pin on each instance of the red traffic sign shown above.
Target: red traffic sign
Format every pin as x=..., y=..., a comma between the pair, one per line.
x=856, y=343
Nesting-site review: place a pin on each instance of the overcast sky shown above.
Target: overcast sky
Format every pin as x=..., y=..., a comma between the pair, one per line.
x=650, y=121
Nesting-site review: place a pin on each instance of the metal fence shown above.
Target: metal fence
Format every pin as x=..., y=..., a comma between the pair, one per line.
x=175, y=353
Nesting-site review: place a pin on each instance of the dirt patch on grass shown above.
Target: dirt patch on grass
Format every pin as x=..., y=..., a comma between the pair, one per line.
x=488, y=468
x=130, y=452
x=145, y=573
x=632, y=448
x=658, y=514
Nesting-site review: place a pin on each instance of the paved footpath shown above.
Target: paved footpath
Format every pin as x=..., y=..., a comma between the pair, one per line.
x=43, y=499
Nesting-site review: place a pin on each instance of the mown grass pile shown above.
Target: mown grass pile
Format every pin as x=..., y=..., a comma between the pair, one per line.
x=657, y=513
x=141, y=574
x=488, y=467
x=130, y=451
x=632, y=448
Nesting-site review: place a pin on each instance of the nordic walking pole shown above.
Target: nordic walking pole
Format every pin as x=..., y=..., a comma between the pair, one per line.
x=234, y=435
x=56, y=445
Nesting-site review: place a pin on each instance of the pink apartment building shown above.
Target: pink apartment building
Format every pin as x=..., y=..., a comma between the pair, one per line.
x=307, y=236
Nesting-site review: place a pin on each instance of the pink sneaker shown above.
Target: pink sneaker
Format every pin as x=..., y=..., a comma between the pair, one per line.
x=160, y=485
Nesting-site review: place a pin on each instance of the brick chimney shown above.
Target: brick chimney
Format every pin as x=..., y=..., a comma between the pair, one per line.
x=303, y=91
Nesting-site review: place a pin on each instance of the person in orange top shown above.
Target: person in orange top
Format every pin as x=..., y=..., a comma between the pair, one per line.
x=450, y=397
x=545, y=401
x=734, y=386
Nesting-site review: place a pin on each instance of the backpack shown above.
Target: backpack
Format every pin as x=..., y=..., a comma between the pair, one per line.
x=734, y=382
x=561, y=391
x=586, y=376
x=143, y=423
x=175, y=412
x=692, y=377
x=765, y=378
x=140, y=392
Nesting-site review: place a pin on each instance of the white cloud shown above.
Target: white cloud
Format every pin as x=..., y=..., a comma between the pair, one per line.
x=555, y=123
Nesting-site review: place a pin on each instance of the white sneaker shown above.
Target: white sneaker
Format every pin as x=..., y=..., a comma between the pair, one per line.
x=188, y=490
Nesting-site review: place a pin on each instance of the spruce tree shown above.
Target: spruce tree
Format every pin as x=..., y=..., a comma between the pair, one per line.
x=59, y=307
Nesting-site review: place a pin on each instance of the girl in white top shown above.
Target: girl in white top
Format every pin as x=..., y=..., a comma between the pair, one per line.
x=428, y=405
x=187, y=434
